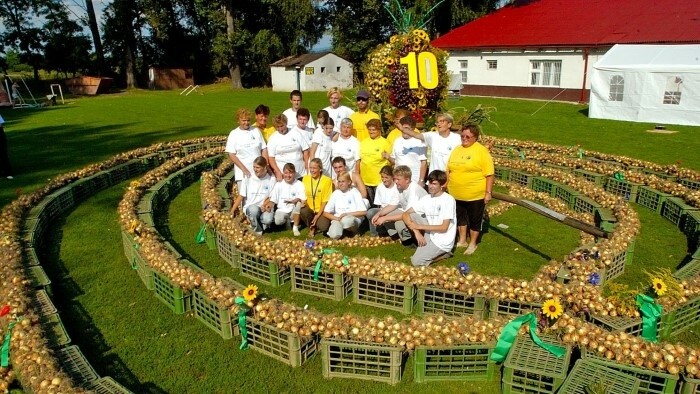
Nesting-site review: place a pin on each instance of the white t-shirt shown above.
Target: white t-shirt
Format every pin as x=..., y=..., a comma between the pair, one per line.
x=323, y=150
x=344, y=202
x=441, y=148
x=338, y=114
x=384, y=196
x=410, y=196
x=255, y=190
x=247, y=145
x=348, y=149
x=409, y=152
x=436, y=210
x=288, y=148
x=292, y=119
x=283, y=191
x=307, y=133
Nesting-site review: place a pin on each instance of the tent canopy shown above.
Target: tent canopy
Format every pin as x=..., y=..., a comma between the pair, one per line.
x=647, y=83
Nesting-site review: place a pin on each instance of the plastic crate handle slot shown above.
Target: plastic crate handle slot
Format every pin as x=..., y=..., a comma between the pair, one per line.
x=510, y=331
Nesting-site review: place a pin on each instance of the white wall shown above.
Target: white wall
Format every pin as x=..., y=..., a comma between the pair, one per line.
x=325, y=75
x=514, y=66
x=283, y=79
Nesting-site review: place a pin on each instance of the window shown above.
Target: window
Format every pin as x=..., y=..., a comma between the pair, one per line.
x=545, y=72
x=617, y=88
x=337, y=69
x=323, y=69
x=672, y=95
x=492, y=64
x=463, y=70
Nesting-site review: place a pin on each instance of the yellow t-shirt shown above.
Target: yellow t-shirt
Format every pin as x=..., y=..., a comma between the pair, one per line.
x=372, y=160
x=393, y=135
x=266, y=132
x=468, y=169
x=318, y=191
x=359, y=123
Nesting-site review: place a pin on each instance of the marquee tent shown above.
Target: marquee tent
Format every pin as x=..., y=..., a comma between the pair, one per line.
x=647, y=83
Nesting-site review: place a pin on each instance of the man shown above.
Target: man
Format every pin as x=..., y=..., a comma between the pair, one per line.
x=410, y=152
x=262, y=112
x=303, y=116
x=291, y=113
x=409, y=194
x=441, y=143
x=339, y=166
x=362, y=115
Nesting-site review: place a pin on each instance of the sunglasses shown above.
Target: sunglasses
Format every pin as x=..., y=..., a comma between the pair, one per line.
x=362, y=99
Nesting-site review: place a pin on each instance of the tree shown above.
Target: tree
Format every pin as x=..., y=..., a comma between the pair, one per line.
x=121, y=24
x=96, y=40
x=20, y=31
x=66, y=48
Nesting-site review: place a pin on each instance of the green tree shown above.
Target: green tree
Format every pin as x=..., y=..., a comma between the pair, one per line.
x=123, y=41
x=66, y=48
x=20, y=32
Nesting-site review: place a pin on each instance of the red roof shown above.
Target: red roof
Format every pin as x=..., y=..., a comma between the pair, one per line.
x=566, y=23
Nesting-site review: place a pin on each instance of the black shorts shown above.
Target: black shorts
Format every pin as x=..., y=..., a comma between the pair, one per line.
x=471, y=214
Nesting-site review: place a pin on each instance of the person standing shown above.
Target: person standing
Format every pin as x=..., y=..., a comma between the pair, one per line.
x=303, y=116
x=287, y=146
x=396, y=132
x=363, y=115
x=374, y=154
x=347, y=146
x=244, y=145
x=470, y=173
x=262, y=113
x=440, y=142
x=5, y=167
x=321, y=145
x=291, y=113
x=335, y=110
x=410, y=152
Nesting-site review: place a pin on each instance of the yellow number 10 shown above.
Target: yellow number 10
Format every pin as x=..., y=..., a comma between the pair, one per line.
x=425, y=70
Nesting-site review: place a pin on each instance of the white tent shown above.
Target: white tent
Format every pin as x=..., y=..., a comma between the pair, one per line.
x=647, y=83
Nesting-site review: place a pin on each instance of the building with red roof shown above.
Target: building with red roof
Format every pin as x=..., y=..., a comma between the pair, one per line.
x=544, y=49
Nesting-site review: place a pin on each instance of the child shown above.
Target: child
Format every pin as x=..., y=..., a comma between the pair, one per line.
x=345, y=209
x=322, y=144
x=255, y=190
x=433, y=222
x=409, y=194
x=288, y=196
x=322, y=118
x=386, y=198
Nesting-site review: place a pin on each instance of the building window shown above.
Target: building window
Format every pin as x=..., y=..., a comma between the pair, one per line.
x=672, y=94
x=492, y=64
x=323, y=69
x=337, y=69
x=463, y=70
x=545, y=72
x=617, y=88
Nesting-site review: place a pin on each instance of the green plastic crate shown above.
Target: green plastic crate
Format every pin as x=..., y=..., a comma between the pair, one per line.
x=194, y=148
x=615, y=268
x=148, y=203
x=521, y=178
x=172, y=249
x=216, y=144
x=566, y=194
x=125, y=171
x=358, y=360
x=501, y=173
x=662, y=175
x=227, y=251
x=633, y=325
x=590, y=176
x=107, y=385
x=585, y=204
x=143, y=270
x=60, y=201
x=177, y=299
x=650, y=198
x=674, y=209
x=82, y=189
x=37, y=276
x=101, y=181
x=150, y=161
x=690, y=226
x=690, y=183
x=162, y=191
x=625, y=189
x=690, y=386
x=447, y=302
x=33, y=231
x=54, y=330
x=532, y=369
x=74, y=363
x=604, y=219
x=333, y=285
x=683, y=317
x=213, y=315
x=511, y=308
x=587, y=373
x=281, y=345
x=255, y=268
x=566, y=169
x=450, y=363
x=396, y=296
x=544, y=185
x=650, y=381
x=688, y=271
x=42, y=303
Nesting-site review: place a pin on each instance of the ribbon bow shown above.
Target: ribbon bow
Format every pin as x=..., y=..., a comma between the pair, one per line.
x=510, y=331
x=242, y=310
x=317, y=270
x=619, y=176
x=651, y=312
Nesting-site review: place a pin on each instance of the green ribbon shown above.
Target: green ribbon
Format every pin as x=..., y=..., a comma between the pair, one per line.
x=317, y=270
x=242, y=310
x=201, y=236
x=5, y=350
x=651, y=312
x=510, y=331
x=580, y=153
x=510, y=152
x=522, y=155
x=133, y=263
x=619, y=176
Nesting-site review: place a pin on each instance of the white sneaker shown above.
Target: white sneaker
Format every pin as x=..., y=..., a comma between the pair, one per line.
x=296, y=232
x=258, y=233
x=10, y=177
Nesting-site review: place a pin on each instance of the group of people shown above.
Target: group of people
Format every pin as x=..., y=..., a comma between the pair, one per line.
x=335, y=173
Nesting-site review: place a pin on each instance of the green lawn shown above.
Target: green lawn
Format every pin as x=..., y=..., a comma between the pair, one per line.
x=130, y=335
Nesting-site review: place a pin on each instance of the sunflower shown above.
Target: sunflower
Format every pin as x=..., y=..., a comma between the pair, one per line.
x=552, y=308
x=389, y=61
x=393, y=39
x=659, y=286
x=416, y=47
x=422, y=103
x=250, y=292
x=384, y=80
x=412, y=107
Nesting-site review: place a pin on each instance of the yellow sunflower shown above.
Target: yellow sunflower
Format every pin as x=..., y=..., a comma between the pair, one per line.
x=552, y=308
x=393, y=39
x=416, y=47
x=250, y=292
x=659, y=286
x=422, y=102
x=389, y=61
x=412, y=107
x=384, y=80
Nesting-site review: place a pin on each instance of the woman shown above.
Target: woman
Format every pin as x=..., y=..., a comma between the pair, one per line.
x=336, y=111
x=347, y=146
x=287, y=146
x=318, y=189
x=345, y=209
x=374, y=154
x=470, y=182
x=322, y=144
x=253, y=194
x=244, y=144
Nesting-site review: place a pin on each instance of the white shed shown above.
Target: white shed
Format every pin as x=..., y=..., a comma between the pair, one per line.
x=311, y=72
x=648, y=83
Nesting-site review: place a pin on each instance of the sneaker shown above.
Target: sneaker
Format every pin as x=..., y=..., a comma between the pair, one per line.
x=470, y=250
x=462, y=244
x=258, y=233
x=10, y=177
x=296, y=232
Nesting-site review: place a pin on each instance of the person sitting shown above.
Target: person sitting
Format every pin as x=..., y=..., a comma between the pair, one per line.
x=386, y=200
x=433, y=222
x=338, y=167
x=318, y=188
x=345, y=208
x=288, y=197
x=409, y=194
x=253, y=193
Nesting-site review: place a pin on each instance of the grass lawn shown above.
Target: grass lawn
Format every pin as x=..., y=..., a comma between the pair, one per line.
x=131, y=336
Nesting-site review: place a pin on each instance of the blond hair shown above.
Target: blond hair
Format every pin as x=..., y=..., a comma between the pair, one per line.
x=334, y=90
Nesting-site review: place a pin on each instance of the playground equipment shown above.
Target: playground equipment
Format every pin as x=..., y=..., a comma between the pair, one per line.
x=16, y=97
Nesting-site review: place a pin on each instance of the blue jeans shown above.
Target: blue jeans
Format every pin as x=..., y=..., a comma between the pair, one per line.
x=259, y=220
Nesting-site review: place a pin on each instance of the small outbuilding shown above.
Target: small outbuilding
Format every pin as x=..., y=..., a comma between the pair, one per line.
x=169, y=78
x=311, y=72
x=647, y=83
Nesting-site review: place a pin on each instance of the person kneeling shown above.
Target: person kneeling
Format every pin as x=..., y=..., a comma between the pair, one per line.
x=345, y=209
x=433, y=222
x=255, y=190
x=288, y=196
